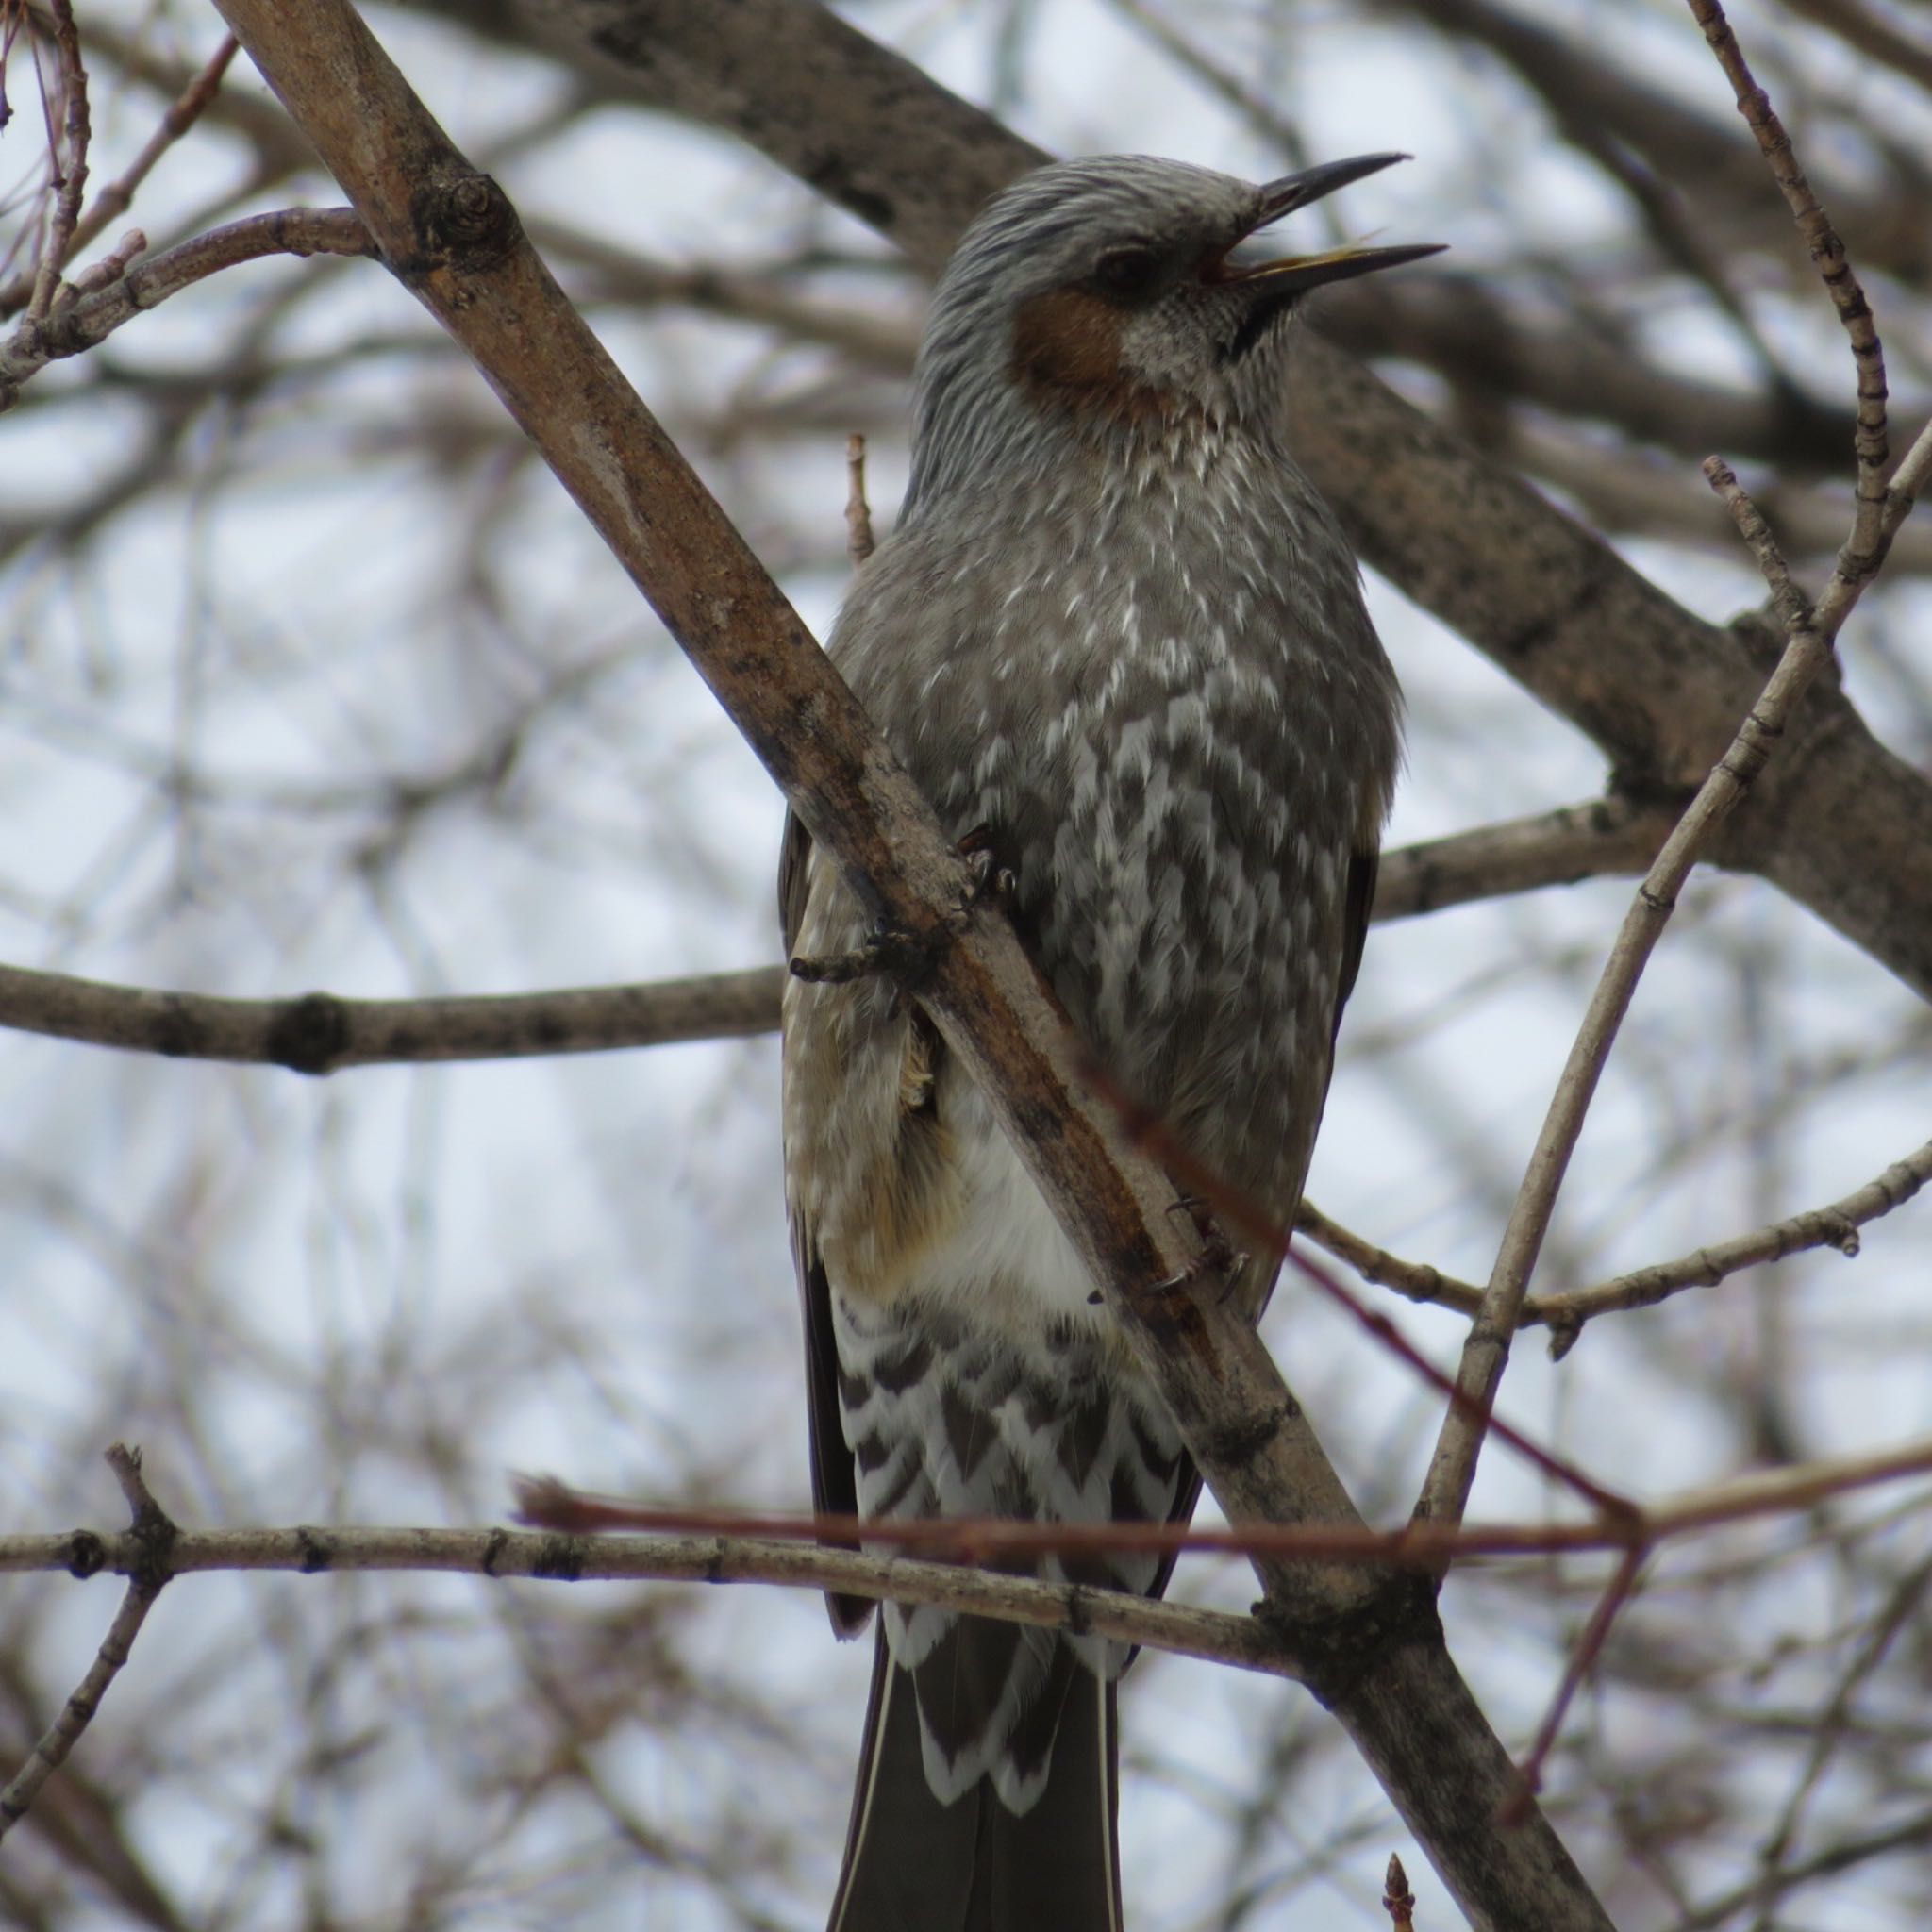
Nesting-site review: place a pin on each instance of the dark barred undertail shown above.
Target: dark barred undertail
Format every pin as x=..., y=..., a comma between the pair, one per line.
x=913, y=1864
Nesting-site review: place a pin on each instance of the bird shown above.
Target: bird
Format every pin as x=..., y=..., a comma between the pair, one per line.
x=1120, y=642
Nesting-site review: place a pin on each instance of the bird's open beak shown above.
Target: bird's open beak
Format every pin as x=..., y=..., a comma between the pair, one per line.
x=1292, y=274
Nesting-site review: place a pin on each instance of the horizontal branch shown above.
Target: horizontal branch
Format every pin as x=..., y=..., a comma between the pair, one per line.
x=736, y=1546
x=320, y=1033
x=323, y=1033
x=544, y=1556
x=1834, y=1225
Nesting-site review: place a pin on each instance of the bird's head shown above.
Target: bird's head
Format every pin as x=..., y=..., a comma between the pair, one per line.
x=1120, y=291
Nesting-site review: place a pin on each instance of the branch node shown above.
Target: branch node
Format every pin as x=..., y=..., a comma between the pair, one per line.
x=309, y=1035
x=86, y=1554
x=462, y=220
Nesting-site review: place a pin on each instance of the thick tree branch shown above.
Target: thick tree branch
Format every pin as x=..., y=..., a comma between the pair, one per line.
x=320, y=1033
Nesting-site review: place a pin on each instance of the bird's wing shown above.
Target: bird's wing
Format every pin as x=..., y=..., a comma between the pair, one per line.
x=1362, y=869
x=834, y=1491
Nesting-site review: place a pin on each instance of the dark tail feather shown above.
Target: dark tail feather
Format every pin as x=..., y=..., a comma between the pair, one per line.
x=915, y=1865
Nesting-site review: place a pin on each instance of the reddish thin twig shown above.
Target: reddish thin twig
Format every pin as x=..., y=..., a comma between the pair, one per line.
x=1589, y=1647
x=1152, y=1134
x=548, y=1504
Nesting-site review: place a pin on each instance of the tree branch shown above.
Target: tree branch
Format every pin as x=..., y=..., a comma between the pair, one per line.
x=1808, y=650
x=323, y=1033
x=145, y=1560
x=87, y=319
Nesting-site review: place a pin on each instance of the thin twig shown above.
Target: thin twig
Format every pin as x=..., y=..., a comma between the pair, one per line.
x=149, y=1540
x=81, y=322
x=116, y=198
x=1834, y=1225
x=1809, y=634
x=858, y=536
x=1417, y=1280
x=1587, y=1648
x=1877, y=1638
x=1486, y=1352
x=1865, y=549
x=1915, y=1830
x=69, y=175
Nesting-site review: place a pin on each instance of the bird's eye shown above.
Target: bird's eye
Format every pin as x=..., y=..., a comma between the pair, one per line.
x=1129, y=272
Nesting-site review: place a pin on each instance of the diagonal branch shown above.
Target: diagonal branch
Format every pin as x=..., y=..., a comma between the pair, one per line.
x=1807, y=649
x=148, y=1543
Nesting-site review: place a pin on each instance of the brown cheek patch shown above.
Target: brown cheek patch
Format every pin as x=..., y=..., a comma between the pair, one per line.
x=1067, y=350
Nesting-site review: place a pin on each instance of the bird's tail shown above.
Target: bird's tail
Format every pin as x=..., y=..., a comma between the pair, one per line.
x=913, y=1864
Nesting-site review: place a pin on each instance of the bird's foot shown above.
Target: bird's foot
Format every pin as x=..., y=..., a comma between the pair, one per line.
x=890, y=952
x=990, y=879
x=1219, y=1256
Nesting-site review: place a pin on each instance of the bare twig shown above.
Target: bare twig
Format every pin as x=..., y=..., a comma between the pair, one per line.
x=1582, y=1654
x=1907, y=1596
x=1415, y=1279
x=858, y=536
x=146, y=1566
x=115, y=199
x=85, y=320
x=1908, y=1832
x=69, y=169
x=1486, y=1352
x=1864, y=551
x=1834, y=1225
